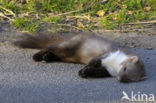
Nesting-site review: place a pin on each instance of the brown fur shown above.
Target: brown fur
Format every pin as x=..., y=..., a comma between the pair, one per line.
x=38, y=41
x=86, y=48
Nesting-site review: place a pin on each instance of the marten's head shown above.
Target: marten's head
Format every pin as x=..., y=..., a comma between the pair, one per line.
x=131, y=70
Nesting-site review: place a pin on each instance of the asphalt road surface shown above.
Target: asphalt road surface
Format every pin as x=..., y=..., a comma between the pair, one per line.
x=24, y=81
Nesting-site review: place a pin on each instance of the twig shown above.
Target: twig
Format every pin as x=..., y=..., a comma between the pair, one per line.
x=66, y=13
x=77, y=16
x=146, y=22
x=8, y=11
x=122, y=30
x=68, y=25
x=2, y=15
x=5, y=15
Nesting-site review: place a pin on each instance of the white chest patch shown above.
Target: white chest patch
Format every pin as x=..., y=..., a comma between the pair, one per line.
x=113, y=62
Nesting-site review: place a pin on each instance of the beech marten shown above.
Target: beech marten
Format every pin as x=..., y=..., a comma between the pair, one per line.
x=101, y=56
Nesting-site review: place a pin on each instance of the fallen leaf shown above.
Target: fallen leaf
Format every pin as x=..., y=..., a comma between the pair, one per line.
x=115, y=18
x=80, y=25
x=130, y=12
x=148, y=8
x=100, y=13
x=151, y=33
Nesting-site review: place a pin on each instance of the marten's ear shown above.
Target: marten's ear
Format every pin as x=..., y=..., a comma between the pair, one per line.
x=134, y=59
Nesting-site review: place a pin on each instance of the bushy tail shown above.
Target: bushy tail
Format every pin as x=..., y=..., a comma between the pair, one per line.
x=38, y=41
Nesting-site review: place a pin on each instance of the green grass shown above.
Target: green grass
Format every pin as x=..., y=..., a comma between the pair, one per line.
x=52, y=19
x=27, y=24
x=116, y=12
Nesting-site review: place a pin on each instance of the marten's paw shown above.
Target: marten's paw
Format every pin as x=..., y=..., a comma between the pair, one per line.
x=38, y=57
x=83, y=73
x=46, y=56
x=90, y=72
x=43, y=56
x=50, y=57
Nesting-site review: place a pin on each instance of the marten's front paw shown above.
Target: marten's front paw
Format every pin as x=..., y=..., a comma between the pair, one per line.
x=83, y=73
x=38, y=57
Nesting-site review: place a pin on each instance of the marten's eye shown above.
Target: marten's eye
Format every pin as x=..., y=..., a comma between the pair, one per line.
x=124, y=69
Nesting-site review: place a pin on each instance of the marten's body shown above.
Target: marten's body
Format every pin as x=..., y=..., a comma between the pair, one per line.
x=102, y=58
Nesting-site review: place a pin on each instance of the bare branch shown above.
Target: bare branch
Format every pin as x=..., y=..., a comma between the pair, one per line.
x=8, y=11
x=2, y=15
x=146, y=22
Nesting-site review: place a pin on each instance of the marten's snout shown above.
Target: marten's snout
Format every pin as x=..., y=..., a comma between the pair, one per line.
x=125, y=78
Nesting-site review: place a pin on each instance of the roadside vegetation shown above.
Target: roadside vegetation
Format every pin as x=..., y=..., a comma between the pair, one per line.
x=64, y=15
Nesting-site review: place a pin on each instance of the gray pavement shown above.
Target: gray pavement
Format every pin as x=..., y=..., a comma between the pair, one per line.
x=24, y=81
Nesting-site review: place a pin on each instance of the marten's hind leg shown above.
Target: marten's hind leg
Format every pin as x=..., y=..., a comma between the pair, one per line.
x=65, y=51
